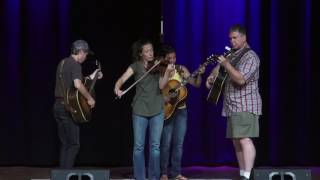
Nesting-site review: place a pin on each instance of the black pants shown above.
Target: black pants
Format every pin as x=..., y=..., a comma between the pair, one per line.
x=69, y=134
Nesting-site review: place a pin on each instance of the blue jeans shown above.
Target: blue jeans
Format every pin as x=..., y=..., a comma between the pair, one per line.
x=173, y=134
x=140, y=124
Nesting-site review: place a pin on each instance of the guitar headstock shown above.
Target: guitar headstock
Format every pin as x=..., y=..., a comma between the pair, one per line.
x=98, y=64
x=211, y=59
x=228, y=51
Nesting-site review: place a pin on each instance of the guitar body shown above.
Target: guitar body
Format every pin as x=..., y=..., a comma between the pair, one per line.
x=175, y=94
x=218, y=83
x=216, y=88
x=79, y=107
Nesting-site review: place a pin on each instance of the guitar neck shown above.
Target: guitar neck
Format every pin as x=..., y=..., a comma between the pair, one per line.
x=94, y=80
x=196, y=72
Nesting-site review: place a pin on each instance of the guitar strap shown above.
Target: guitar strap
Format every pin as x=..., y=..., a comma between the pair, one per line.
x=241, y=54
x=66, y=104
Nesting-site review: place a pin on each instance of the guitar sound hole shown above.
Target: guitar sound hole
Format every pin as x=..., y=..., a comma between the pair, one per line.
x=173, y=93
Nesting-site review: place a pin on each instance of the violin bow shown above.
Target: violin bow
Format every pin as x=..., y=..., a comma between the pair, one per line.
x=143, y=76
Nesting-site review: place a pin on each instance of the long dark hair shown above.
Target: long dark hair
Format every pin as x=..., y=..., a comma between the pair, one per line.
x=137, y=48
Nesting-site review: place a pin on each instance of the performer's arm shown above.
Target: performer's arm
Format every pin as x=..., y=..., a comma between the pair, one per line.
x=234, y=74
x=100, y=74
x=83, y=90
x=164, y=80
x=195, y=81
x=125, y=76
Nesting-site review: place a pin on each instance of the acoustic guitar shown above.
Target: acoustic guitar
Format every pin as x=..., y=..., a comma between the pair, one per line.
x=218, y=83
x=79, y=107
x=217, y=86
x=175, y=92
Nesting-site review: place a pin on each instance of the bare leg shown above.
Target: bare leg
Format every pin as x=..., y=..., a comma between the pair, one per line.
x=239, y=153
x=249, y=153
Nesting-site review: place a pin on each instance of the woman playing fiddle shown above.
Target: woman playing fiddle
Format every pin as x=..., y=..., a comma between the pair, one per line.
x=147, y=108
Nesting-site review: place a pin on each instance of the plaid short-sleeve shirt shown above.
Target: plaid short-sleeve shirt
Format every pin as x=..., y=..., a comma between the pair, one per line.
x=244, y=98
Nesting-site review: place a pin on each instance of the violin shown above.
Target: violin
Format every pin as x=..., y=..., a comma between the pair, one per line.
x=158, y=65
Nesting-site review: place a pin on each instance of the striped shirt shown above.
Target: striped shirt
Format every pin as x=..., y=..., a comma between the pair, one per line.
x=244, y=98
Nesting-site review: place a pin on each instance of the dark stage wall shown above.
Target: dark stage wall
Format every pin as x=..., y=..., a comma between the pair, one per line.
x=36, y=34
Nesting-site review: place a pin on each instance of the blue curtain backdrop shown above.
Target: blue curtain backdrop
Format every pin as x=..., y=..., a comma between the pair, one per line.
x=283, y=35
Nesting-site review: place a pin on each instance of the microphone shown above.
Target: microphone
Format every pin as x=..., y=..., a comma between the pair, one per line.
x=228, y=52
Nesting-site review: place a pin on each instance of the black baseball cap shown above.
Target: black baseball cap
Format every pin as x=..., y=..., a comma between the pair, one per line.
x=81, y=45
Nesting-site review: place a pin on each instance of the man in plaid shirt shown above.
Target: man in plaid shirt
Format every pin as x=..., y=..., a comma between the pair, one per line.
x=242, y=102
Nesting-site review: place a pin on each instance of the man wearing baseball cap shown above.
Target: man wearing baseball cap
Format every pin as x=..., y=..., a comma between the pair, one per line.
x=68, y=74
x=79, y=45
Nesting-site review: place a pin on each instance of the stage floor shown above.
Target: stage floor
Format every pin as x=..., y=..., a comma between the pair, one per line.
x=194, y=172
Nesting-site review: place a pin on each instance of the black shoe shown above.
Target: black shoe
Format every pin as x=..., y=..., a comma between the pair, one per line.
x=243, y=178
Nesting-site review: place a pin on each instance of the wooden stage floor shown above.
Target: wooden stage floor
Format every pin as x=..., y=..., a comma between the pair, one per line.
x=194, y=172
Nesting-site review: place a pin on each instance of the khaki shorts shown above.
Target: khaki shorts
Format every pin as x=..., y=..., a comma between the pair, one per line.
x=242, y=124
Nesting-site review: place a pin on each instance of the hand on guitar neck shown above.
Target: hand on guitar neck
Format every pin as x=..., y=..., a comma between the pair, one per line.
x=99, y=75
x=195, y=78
x=94, y=75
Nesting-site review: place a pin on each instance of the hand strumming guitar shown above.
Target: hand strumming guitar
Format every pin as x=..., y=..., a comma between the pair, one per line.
x=91, y=102
x=212, y=76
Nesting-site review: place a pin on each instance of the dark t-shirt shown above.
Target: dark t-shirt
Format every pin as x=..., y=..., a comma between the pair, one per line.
x=71, y=70
x=148, y=100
